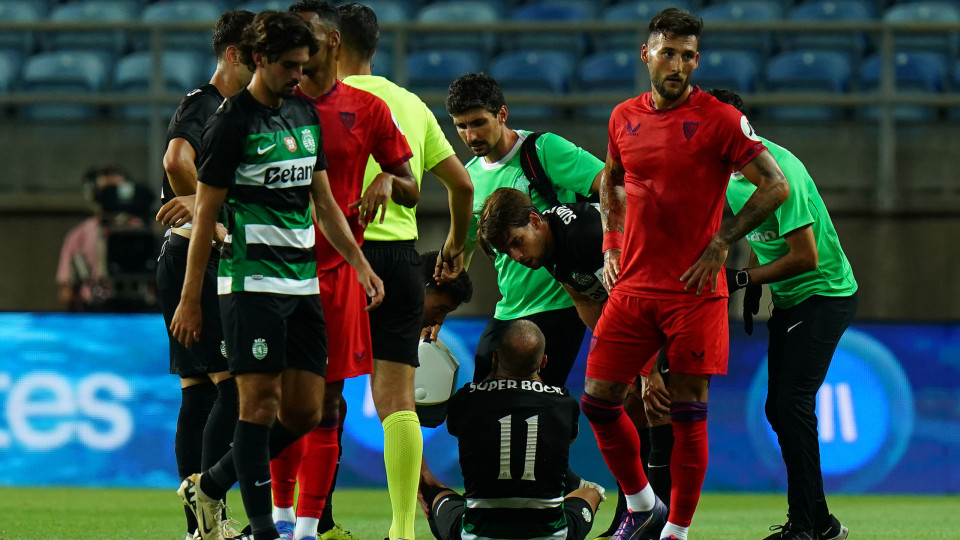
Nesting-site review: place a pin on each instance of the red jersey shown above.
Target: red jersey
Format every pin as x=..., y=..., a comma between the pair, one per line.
x=356, y=124
x=677, y=164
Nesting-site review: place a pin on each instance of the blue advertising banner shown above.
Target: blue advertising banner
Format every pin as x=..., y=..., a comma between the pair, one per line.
x=87, y=400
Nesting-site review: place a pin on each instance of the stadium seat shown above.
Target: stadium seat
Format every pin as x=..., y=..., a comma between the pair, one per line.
x=736, y=70
x=574, y=44
x=68, y=72
x=830, y=11
x=13, y=12
x=740, y=11
x=185, y=11
x=916, y=72
x=525, y=72
x=433, y=71
x=133, y=75
x=451, y=13
x=9, y=70
x=638, y=12
x=257, y=6
x=107, y=11
x=948, y=42
x=388, y=11
x=608, y=71
x=382, y=64
x=808, y=72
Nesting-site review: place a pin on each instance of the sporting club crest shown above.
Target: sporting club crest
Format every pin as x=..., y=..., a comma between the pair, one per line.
x=260, y=348
x=306, y=136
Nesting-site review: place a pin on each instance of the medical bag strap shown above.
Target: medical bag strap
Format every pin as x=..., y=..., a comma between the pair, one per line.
x=533, y=169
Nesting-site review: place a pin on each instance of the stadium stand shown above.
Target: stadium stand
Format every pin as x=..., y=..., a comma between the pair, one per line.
x=916, y=72
x=640, y=12
x=926, y=12
x=9, y=70
x=104, y=11
x=186, y=11
x=741, y=11
x=11, y=12
x=73, y=72
x=432, y=71
x=724, y=68
x=453, y=13
x=382, y=65
x=808, y=72
x=607, y=71
x=573, y=45
x=181, y=71
x=525, y=72
x=830, y=10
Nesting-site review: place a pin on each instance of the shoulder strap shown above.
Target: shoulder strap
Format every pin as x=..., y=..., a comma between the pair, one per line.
x=533, y=169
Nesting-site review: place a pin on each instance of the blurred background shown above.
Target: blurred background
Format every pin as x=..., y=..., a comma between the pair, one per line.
x=864, y=92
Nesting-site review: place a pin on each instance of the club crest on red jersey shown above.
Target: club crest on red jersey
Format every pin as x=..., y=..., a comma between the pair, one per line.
x=291, y=143
x=689, y=129
x=348, y=119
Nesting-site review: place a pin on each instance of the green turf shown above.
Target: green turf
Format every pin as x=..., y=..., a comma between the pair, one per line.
x=110, y=514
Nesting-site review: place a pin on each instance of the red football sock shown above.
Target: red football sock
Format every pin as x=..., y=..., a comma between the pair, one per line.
x=318, y=469
x=283, y=474
x=688, y=462
x=618, y=441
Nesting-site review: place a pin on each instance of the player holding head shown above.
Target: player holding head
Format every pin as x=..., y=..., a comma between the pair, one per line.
x=670, y=155
x=520, y=496
x=479, y=111
x=208, y=407
x=357, y=125
x=395, y=326
x=441, y=299
x=262, y=152
x=815, y=298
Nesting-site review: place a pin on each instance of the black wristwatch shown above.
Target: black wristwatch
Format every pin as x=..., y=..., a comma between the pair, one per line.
x=742, y=278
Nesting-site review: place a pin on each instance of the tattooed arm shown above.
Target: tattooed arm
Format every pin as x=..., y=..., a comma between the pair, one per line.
x=772, y=190
x=613, y=213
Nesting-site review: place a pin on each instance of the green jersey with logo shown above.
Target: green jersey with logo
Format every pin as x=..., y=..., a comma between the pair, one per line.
x=571, y=170
x=833, y=275
x=266, y=158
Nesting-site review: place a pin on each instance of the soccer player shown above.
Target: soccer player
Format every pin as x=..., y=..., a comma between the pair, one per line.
x=514, y=433
x=479, y=112
x=208, y=406
x=443, y=297
x=356, y=125
x=262, y=152
x=395, y=326
x=797, y=252
x=670, y=154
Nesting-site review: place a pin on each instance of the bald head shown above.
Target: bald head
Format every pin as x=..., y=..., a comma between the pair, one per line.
x=520, y=351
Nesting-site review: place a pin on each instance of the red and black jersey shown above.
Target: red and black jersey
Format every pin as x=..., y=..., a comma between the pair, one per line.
x=677, y=162
x=356, y=125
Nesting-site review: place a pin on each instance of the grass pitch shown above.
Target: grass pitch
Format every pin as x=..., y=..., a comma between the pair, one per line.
x=114, y=514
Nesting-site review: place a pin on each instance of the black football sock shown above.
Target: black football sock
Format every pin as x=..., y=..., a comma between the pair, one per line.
x=219, y=478
x=252, y=456
x=571, y=481
x=195, y=404
x=326, y=517
x=221, y=424
x=661, y=446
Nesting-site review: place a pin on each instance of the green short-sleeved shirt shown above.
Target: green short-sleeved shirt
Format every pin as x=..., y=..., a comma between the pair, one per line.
x=571, y=170
x=833, y=275
x=426, y=140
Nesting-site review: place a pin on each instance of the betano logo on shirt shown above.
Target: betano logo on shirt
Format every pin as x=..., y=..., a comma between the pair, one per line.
x=292, y=174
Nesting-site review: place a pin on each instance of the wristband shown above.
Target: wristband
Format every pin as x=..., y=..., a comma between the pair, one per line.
x=742, y=278
x=612, y=240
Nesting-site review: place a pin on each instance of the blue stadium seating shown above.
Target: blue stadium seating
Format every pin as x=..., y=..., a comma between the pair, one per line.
x=736, y=70
x=830, y=10
x=638, y=12
x=69, y=72
x=382, y=65
x=257, y=6
x=111, y=41
x=457, y=12
x=388, y=11
x=608, y=71
x=916, y=72
x=21, y=11
x=740, y=11
x=9, y=70
x=948, y=42
x=433, y=71
x=523, y=72
x=185, y=11
x=808, y=72
x=132, y=74
x=551, y=11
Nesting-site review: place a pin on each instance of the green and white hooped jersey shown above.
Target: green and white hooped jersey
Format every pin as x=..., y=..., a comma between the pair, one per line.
x=266, y=158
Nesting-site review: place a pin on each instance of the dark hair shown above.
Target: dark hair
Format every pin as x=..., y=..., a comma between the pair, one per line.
x=460, y=289
x=274, y=32
x=520, y=349
x=228, y=30
x=675, y=22
x=324, y=10
x=474, y=91
x=359, y=29
x=504, y=210
x=725, y=95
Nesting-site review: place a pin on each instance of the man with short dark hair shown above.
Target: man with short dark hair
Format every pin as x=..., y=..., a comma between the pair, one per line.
x=208, y=406
x=514, y=433
x=669, y=158
x=263, y=153
x=441, y=298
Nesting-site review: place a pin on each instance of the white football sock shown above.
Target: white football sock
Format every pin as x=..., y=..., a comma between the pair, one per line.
x=284, y=514
x=642, y=501
x=678, y=532
x=306, y=528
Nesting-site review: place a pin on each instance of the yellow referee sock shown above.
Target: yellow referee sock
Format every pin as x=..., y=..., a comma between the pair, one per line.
x=402, y=452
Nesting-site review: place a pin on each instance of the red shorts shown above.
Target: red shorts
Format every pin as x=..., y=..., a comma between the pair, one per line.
x=631, y=330
x=348, y=325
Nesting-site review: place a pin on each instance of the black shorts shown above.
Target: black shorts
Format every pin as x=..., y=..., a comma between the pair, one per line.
x=395, y=325
x=208, y=354
x=267, y=333
x=446, y=517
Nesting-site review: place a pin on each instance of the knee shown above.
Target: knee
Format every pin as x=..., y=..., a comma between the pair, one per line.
x=299, y=419
x=600, y=411
x=331, y=404
x=262, y=410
